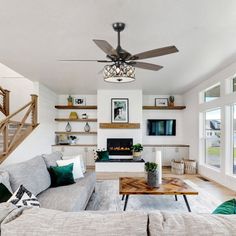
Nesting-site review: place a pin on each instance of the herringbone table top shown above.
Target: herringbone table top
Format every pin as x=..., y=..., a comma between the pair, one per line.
x=169, y=186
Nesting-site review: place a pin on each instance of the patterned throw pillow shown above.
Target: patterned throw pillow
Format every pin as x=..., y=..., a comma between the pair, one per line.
x=23, y=197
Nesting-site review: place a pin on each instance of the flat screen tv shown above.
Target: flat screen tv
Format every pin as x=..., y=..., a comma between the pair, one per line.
x=161, y=127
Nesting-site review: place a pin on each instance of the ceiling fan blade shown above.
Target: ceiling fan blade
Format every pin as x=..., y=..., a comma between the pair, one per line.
x=147, y=66
x=74, y=60
x=106, y=47
x=154, y=53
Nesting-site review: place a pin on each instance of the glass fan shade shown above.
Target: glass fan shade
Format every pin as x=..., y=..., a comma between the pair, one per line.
x=119, y=73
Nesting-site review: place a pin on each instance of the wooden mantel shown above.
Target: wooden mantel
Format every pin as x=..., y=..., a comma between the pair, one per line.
x=119, y=125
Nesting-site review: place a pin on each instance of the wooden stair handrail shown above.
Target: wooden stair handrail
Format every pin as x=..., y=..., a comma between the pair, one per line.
x=5, y=106
x=10, y=142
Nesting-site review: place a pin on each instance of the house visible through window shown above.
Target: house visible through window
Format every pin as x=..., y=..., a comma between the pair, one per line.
x=212, y=93
x=212, y=137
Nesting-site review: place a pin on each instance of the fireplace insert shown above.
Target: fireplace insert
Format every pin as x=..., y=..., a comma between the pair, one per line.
x=119, y=146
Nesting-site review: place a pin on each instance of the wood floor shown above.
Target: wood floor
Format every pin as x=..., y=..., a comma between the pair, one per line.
x=220, y=192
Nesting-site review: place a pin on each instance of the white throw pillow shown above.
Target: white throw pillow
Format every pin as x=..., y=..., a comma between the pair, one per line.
x=83, y=167
x=77, y=171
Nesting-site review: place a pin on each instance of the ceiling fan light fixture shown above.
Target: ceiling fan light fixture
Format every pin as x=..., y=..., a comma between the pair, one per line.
x=119, y=73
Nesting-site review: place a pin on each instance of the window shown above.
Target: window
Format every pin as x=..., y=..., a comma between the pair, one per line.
x=234, y=139
x=212, y=136
x=212, y=93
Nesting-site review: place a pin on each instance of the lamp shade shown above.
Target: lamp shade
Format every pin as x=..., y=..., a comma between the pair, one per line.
x=119, y=73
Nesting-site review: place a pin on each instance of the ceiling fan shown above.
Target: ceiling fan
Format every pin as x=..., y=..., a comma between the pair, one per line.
x=120, y=57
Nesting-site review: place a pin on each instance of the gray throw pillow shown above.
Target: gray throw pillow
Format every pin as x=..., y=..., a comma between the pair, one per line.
x=33, y=174
x=51, y=159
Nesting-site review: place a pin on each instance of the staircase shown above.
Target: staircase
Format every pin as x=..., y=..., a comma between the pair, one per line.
x=4, y=101
x=14, y=128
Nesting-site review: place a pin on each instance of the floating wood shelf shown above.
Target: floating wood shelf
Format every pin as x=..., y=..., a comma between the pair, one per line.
x=80, y=133
x=163, y=108
x=165, y=145
x=119, y=125
x=75, y=145
x=64, y=107
x=75, y=120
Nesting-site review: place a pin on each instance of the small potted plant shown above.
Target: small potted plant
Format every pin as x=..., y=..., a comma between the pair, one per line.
x=171, y=101
x=70, y=100
x=152, y=174
x=72, y=139
x=137, y=149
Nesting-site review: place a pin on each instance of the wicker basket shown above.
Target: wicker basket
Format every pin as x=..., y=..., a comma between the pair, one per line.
x=177, y=167
x=190, y=167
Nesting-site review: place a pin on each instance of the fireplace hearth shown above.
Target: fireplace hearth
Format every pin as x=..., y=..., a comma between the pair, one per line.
x=119, y=147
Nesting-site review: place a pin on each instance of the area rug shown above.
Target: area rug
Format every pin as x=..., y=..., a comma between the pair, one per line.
x=107, y=198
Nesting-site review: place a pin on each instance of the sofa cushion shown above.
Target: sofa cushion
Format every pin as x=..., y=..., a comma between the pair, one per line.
x=77, y=170
x=178, y=224
x=23, y=197
x=5, y=194
x=50, y=159
x=227, y=208
x=61, y=175
x=71, y=197
x=83, y=166
x=33, y=174
x=49, y=222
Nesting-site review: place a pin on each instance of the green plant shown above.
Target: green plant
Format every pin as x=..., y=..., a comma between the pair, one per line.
x=137, y=147
x=151, y=166
x=70, y=99
x=171, y=99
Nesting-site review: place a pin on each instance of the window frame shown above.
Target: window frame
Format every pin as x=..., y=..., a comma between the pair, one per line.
x=204, y=138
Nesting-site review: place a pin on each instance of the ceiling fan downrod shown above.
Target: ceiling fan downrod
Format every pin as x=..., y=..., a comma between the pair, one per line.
x=118, y=27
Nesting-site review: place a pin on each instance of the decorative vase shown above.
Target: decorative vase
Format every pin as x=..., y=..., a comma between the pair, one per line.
x=86, y=127
x=152, y=179
x=171, y=104
x=68, y=127
x=70, y=103
x=137, y=156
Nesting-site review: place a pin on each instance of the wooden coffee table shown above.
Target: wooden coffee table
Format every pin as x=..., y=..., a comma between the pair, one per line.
x=169, y=186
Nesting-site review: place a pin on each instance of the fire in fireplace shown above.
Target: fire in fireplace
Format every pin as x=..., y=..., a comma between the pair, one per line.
x=119, y=146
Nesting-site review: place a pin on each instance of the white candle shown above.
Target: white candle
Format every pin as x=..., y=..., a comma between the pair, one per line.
x=159, y=162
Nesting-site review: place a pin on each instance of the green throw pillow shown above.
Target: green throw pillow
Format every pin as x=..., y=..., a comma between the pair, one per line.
x=227, y=208
x=103, y=155
x=5, y=194
x=61, y=175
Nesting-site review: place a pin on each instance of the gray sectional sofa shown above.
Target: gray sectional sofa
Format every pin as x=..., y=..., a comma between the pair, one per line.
x=40, y=221
x=33, y=174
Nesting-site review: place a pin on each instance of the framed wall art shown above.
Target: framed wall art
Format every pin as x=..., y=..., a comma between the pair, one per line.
x=119, y=110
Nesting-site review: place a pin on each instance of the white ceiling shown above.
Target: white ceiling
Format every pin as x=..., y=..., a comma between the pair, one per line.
x=35, y=34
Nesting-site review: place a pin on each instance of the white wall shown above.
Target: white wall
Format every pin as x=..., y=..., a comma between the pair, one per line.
x=20, y=91
x=193, y=126
x=41, y=139
x=79, y=126
x=104, y=115
x=148, y=100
